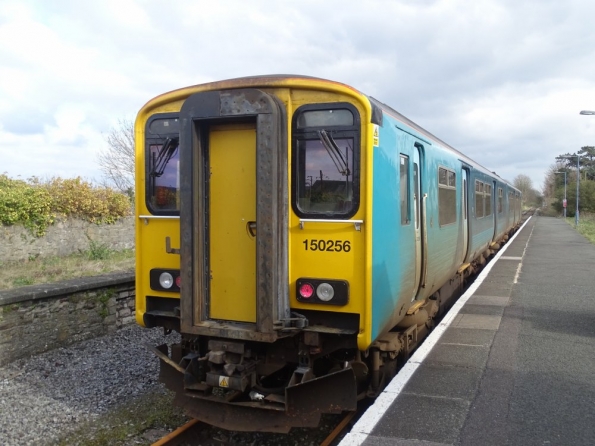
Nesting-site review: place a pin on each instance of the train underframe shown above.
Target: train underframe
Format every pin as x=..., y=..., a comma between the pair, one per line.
x=254, y=386
x=273, y=387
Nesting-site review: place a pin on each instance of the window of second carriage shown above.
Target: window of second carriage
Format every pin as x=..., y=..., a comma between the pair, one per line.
x=479, y=201
x=447, y=196
x=488, y=200
x=326, y=160
x=163, y=165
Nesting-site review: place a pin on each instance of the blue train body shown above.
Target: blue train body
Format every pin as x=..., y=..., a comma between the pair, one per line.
x=420, y=244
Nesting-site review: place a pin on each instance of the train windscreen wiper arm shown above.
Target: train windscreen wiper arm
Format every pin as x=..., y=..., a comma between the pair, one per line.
x=166, y=152
x=334, y=152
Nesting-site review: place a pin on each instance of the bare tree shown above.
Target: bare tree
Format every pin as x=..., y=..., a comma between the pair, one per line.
x=525, y=185
x=117, y=160
x=553, y=179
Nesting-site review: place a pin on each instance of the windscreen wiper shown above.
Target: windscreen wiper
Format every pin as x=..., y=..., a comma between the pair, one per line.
x=334, y=152
x=166, y=152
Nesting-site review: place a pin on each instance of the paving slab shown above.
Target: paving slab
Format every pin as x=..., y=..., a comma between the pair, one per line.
x=516, y=366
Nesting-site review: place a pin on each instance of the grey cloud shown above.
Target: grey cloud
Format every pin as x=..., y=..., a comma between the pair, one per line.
x=26, y=122
x=431, y=60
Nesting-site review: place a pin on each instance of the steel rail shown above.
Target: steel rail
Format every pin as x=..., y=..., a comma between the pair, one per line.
x=329, y=440
x=178, y=436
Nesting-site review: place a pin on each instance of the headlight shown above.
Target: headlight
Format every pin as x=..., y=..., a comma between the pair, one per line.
x=166, y=280
x=325, y=291
x=161, y=279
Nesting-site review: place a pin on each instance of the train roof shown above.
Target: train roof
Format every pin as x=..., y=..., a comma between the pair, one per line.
x=289, y=80
x=400, y=117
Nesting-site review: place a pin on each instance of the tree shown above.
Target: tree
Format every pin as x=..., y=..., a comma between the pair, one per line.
x=554, y=182
x=587, y=161
x=117, y=160
x=587, y=154
x=523, y=183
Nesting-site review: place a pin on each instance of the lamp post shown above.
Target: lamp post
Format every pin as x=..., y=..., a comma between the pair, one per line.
x=589, y=113
x=564, y=172
x=578, y=177
x=578, y=180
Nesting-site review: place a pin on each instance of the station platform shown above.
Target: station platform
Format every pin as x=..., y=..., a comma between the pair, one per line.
x=512, y=363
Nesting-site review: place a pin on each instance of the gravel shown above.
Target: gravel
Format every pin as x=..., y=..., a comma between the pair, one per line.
x=46, y=396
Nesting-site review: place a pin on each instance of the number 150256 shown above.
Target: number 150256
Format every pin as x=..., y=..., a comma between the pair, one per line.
x=327, y=245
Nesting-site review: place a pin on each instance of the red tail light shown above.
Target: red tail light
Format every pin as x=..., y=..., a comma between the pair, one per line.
x=306, y=290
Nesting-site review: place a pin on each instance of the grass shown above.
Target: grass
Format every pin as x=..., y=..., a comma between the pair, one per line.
x=97, y=259
x=119, y=426
x=586, y=225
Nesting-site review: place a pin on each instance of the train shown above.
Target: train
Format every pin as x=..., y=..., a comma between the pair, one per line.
x=299, y=239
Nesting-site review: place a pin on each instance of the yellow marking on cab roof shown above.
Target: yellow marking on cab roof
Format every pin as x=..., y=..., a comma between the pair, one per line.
x=292, y=82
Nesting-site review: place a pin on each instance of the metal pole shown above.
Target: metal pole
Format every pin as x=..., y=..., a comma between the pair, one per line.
x=583, y=112
x=578, y=177
x=565, y=201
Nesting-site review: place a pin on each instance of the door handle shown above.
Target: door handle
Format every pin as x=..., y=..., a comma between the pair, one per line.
x=168, y=248
x=251, y=228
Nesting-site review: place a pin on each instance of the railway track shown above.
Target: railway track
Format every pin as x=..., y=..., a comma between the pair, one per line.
x=188, y=434
x=184, y=435
x=338, y=430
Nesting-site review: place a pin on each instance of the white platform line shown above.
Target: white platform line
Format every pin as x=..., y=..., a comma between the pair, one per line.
x=368, y=421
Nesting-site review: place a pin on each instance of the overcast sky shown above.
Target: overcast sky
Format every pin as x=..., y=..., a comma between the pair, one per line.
x=502, y=81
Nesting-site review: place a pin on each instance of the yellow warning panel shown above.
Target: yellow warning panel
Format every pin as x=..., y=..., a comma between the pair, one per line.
x=376, y=136
x=223, y=381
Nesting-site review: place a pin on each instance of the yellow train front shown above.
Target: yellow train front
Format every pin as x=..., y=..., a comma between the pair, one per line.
x=254, y=242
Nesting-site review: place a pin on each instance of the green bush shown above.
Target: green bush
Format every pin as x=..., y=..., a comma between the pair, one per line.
x=29, y=204
x=98, y=251
x=36, y=204
x=78, y=198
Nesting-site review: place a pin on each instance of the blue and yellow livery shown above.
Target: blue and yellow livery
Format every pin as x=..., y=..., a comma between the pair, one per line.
x=301, y=237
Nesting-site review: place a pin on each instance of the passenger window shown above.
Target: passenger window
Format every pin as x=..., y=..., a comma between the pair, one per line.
x=447, y=196
x=488, y=199
x=404, y=189
x=500, y=196
x=479, y=212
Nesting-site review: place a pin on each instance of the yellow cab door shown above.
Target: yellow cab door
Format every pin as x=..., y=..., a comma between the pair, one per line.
x=232, y=222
